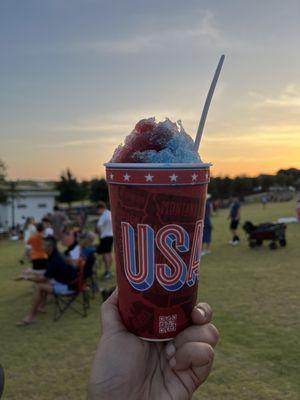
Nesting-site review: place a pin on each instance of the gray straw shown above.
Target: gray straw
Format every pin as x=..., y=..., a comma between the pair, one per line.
x=207, y=104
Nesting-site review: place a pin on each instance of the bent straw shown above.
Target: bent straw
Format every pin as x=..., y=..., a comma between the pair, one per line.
x=207, y=104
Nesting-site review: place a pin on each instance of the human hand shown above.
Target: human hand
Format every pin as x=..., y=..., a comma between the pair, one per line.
x=21, y=278
x=127, y=367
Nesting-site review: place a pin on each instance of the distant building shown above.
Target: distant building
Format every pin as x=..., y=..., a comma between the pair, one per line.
x=26, y=199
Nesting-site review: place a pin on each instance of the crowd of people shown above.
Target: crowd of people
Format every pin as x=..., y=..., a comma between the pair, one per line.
x=56, y=247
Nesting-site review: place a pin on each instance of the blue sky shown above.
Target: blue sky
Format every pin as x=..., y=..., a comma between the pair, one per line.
x=76, y=75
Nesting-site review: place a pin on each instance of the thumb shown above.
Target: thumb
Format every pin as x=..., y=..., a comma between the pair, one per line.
x=110, y=316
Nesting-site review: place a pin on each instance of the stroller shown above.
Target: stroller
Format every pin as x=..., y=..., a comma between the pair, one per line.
x=258, y=233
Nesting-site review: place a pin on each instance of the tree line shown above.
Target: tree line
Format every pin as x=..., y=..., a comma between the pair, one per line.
x=71, y=189
x=225, y=187
x=219, y=187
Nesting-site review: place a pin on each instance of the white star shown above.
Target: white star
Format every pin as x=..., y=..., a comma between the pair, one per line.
x=126, y=177
x=173, y=178
x=206, y=175
x=194, y=177
x=149, y=178
x=111, y=176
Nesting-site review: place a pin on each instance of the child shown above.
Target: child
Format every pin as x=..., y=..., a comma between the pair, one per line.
x=37, y=253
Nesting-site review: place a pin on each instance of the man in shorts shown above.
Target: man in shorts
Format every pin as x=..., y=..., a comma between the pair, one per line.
x=234, y=217
x=59, y=278
x=104, y=229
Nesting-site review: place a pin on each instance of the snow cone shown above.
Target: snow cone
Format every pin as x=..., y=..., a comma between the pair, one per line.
x=157, y=188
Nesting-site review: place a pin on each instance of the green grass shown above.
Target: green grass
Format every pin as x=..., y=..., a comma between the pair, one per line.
x=256, y=300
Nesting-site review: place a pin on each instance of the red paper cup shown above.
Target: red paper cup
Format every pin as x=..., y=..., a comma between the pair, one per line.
x=157, y=213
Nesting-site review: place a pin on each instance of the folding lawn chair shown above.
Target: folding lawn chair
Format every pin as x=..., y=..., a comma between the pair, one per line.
x=80, y=293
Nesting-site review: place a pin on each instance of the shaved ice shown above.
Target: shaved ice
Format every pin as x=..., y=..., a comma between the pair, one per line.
x=152, y=142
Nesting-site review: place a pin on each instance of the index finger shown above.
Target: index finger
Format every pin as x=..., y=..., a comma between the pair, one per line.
x=111, y=320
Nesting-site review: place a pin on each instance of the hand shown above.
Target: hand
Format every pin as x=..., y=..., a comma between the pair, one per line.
x=21, y=278
x=126, y=367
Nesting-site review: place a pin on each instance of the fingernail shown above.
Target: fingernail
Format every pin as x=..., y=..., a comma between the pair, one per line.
x=202, y=312
x=170, y=349
x=172, y=362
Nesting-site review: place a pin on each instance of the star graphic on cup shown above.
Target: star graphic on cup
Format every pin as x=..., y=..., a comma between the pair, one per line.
x=194, y=177
x=173, y=177
x=149, y=177
x=111, y=176
x=126, y=177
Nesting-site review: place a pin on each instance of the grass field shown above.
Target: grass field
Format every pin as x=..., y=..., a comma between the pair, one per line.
x=255, y=296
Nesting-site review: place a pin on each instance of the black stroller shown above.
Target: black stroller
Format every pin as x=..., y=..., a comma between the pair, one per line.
x=258, y=233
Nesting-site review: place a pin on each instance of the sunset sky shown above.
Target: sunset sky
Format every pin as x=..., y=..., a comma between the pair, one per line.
x=76, y=75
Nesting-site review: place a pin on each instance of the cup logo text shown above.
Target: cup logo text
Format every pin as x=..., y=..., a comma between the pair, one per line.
x=170, y=240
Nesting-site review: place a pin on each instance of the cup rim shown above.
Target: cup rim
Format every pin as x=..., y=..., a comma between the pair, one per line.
x=158, y=165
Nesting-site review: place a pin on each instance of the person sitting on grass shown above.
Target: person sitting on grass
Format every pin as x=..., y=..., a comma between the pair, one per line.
x=70, y=241
x=48, y=230
x=87, y=252
x=59, y=278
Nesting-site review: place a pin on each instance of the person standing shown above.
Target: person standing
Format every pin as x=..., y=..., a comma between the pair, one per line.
x=206, y=239
x=104, y=229
x=58, y=221
x=264, y=201
x=29, y=230
x=234, y=217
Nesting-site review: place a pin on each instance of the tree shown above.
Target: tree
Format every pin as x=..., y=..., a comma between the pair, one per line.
x=68, y=187
x=265, y=181
x=84, y=190
x=99, y=190
x=2, y=180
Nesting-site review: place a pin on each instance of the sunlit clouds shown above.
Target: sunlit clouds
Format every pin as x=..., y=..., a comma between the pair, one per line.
x=77, y=76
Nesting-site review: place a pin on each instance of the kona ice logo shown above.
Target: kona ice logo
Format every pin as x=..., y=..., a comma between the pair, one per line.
x=171, y=241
